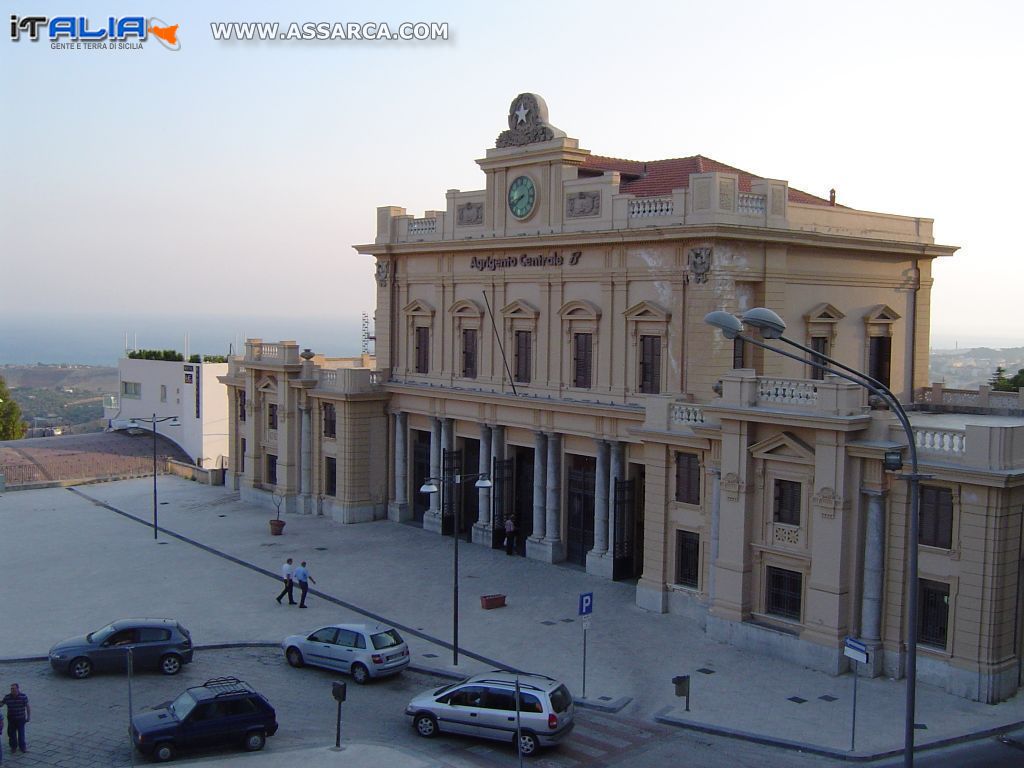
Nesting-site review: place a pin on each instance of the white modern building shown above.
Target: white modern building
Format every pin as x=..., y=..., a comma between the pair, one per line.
x=190, y=391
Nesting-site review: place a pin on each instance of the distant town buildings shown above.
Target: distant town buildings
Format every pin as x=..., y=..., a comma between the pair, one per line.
x=546, y=332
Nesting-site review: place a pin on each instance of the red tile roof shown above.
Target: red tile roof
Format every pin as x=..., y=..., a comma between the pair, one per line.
x=660, y=177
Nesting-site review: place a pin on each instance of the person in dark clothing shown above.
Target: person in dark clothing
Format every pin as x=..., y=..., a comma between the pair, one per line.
x=302, y=576
x=18, y=713
x=286, y=573
x=510, y=535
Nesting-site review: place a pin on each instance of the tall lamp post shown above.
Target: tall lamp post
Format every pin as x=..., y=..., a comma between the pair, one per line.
x=771, y=326
x=430, y=486
x=154, y=420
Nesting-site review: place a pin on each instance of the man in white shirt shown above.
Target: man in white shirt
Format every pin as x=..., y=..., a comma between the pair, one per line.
x=302, y=576
x=286, y=573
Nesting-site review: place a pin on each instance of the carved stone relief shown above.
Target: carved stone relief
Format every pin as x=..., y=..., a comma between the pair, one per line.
x=470, y=214
x=582, y=204
x=726, y=195
x=827, y=501
x=527, y=122
x=700, y=264
x=383, y=272
x=786, y=535
x=731, y=486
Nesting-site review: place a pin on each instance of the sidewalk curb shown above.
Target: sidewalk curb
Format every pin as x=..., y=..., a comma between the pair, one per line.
x=662, y=716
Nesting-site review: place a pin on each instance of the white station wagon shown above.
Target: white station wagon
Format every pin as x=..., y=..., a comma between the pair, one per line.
x=362, y=650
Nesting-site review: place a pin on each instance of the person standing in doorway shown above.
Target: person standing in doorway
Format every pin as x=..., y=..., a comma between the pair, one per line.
x=18, y=713
x=286, y=574
x=302, y=576
x=510, y=535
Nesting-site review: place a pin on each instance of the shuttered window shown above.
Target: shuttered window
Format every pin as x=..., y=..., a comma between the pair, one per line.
x=241, y=405
x=688, y=478
x=422, y=349
x=820, y=345
x=739, y=356
x=524, y=341
x=787, y=502
x=469, y=353
x=936, y=517
x=583, y=354
x=272, y=416
x=933, y=616
x=879, y=357
x=688, y=559
x=650, y=365
x=330, y=476
x=783, y=593
x=330, y=420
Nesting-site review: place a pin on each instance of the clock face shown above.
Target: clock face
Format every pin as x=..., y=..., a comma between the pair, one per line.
x=522, y=194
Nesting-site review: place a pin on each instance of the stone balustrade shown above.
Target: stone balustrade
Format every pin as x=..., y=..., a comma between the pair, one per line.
x=947, y=442
x=349, y=381
x=650, y=207
x=981, y=400
x=422, y=226
x=686, y=414
x=750, y=204
x=790, y=392
x=281, y=353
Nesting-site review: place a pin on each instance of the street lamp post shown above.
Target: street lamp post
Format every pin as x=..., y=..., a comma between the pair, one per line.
x=771, y=326
x=430, y=486
x=154, y=420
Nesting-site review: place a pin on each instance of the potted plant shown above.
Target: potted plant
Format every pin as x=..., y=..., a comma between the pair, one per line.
x=277, y=524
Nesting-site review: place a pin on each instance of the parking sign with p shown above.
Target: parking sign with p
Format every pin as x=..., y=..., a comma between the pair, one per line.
x=586, y=603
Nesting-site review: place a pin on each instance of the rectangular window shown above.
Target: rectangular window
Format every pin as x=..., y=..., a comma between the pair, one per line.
x=271, y=469
x=739, y=354
x=688, y=478
x=132, y=389
x=687, y=558
x=330, y=420
x=330, y=476
x=936, y=517
x=524, y=341
x=241, y=405
x=650, y=365
x=933, y=618
x=820, y=345
x=879, y=356
x=241, y=458
x=469, y=353
x=787, y=502
x=782, y=593
x=582, y=359
x=422, y=350
x=163, y=393
x=272, y=416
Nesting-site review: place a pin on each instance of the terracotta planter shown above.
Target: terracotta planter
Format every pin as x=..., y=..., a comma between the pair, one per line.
x=276, y=527
x=492, y=601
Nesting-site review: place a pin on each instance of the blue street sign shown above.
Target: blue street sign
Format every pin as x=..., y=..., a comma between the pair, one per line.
x=856, y=645
x=586, y=603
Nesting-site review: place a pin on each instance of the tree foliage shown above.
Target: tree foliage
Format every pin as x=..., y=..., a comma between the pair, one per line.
x=157, y=354
x=1003, y=383
x=11, y=425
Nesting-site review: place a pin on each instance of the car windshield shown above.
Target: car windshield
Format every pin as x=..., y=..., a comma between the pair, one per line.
x=388, y=639
x=446, y=688
x=100, y=634
x=561, y=699
x=182, y=705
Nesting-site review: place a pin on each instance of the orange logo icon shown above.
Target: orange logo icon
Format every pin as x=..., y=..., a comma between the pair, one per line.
x=168, y=34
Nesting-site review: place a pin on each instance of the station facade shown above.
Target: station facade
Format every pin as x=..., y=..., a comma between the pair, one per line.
x=546, y=333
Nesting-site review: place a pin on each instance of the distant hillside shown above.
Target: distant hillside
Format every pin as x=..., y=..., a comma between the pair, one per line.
x=85, y=378
x=969, y=368
x=65, y=396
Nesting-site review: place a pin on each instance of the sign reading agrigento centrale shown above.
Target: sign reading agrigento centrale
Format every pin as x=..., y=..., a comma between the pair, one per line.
x=491, y=264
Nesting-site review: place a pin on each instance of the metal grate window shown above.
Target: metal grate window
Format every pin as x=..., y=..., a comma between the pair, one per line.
x=524, y=340
x=469, y=353
x=330, y=476
x=820, y=345
x=583, y=352
x=787, y=502
x=422, y=349
x=782, y=594
x=688, y=478
x=933, y=616
x=271, y=469
x=330, y=420
x=936, y=517
x=688, y=558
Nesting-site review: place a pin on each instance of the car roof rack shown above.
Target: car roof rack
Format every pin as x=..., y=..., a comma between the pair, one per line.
x=225, y=686
x=522, y=673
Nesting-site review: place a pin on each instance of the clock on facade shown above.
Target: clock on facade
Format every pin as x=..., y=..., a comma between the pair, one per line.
x=522, y=194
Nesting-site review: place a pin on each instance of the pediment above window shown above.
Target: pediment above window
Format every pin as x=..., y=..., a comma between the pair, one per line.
x=648, y=310
x=580, y=309
x=824, y=313
x=881, y=313
x=520, y=309
x=465, y=308
x=267, y=384
x=784, y=446
x=419, y=308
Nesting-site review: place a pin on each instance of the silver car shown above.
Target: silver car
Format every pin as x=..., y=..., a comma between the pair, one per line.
x=484, y=706
x=363, y=650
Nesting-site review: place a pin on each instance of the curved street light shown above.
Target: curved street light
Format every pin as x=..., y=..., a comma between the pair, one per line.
x=430, y=485
x=154, y=420
x=771, y=326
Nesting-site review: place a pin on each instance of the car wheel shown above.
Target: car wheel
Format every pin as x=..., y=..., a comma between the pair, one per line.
x=294, y=656
x=254, y=741
x=360, y=674
x=170, y=664
x=80, y=668
x=163, y=752
x=528, y=745
x=425, y=725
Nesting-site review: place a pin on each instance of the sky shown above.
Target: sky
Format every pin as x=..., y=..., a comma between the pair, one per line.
x=232, y=179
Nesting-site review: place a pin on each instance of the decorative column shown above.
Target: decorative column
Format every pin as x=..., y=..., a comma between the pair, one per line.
x=715, y=476
x=597, y=561
x=399, y=508
x=306, y=460
x=432, y=518
x=482, y=530
x=874, y=580
x=551, y=548
x=618, y=465
x=534, y=548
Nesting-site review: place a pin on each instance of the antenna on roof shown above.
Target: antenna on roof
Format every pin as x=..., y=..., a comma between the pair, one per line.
x=832, y=196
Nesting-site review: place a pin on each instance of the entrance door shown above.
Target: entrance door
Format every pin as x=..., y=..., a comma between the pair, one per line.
x=469, y=494
x=580, y=517
x=420, y=473
x=523, y=503
x=502, y=495
x=623, y=550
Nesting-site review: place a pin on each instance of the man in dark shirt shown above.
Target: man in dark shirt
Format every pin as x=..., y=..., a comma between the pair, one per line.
x=18, y=713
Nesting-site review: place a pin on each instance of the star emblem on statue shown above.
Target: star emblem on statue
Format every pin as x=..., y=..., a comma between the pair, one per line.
x=521, y=113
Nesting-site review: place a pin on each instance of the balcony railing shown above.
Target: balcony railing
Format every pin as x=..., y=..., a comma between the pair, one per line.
x=422, y=226
x=751, y=205
x=649, y=207
x=945, y=442
x=796, y=392
x=686, y=414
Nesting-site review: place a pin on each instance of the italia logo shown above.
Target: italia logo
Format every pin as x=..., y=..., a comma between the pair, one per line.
x=81, y=32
